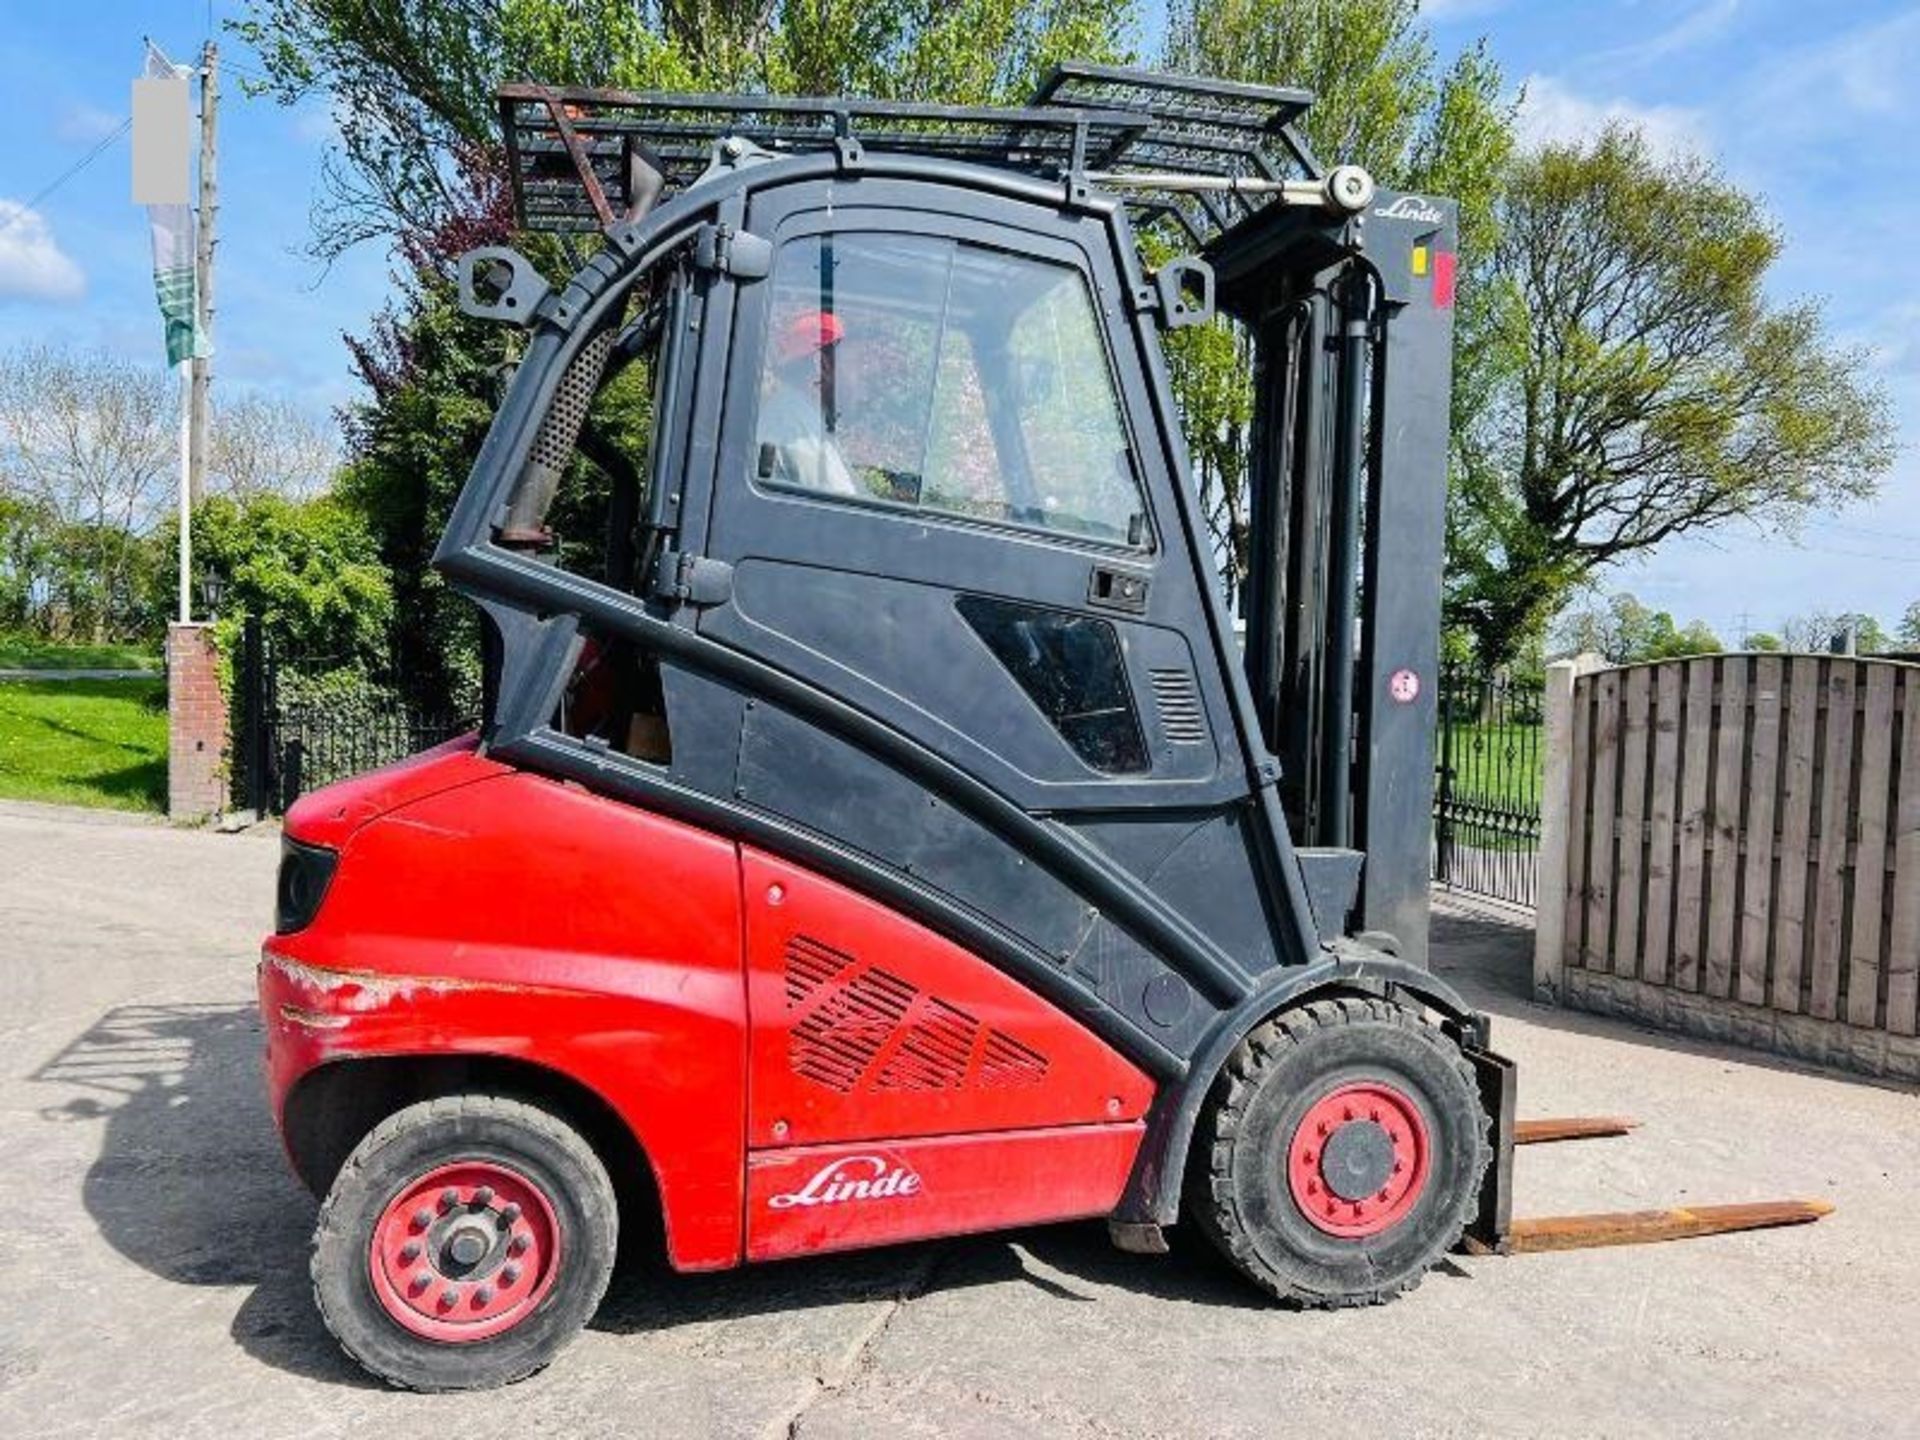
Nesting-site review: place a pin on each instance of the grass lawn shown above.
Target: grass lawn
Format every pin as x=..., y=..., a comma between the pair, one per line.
x=1496, y=774
x=21, y=652
x=84, y=742
x=1498, y=764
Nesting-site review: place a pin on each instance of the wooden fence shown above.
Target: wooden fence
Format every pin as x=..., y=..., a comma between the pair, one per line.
x=1732, y=848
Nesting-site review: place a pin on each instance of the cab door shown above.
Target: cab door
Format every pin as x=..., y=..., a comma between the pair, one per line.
x=943, y=501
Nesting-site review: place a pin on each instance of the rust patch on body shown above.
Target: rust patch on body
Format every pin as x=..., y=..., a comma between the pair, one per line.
x=367, y=990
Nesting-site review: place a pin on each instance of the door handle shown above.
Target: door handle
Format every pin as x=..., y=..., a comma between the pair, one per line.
x=1113, y=588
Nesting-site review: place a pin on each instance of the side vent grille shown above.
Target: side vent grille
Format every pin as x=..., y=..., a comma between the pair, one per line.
x=810, y=965
x=1008, y=1063
x=1179, y=707
x=933, y=1054
x=863, y=1027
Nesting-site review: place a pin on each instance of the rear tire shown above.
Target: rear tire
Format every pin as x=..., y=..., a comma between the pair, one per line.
x=464, y=1242
x=1340, y=1154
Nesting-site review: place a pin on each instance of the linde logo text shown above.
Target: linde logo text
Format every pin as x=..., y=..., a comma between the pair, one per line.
x=858, y=1177
x=1411, y=207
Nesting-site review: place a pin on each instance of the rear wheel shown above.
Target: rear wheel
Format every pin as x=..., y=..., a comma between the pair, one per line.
x=464, y=1242
x=1341, y=1152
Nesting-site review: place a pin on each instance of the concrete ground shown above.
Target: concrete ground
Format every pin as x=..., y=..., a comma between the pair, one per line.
x=153, y=1248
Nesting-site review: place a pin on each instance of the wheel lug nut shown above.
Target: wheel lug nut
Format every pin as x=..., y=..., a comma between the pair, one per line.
x=421, y=1279
x=483, y=1197
x=483, y=1296
x=510, y=1275
x=518, y=1245
x=449, y=1296
x=449, y=1198
x=422, y=1218
x=409, y=1252
x=509, y=1212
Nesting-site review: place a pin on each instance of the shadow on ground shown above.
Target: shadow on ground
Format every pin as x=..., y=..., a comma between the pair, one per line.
x=191, y=1185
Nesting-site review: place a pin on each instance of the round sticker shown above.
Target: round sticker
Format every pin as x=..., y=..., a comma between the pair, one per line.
x=1404, y=686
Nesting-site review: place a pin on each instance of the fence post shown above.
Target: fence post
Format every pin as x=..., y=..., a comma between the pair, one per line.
x=1556, y=822
x=1443, y=798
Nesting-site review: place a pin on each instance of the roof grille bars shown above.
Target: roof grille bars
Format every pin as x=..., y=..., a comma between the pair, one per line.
x=1204, y=155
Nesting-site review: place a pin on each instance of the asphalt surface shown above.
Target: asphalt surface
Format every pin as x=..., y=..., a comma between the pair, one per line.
x=153, y=1248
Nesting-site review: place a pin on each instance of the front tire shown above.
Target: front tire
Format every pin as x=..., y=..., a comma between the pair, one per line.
x=464, y=1242
x=1341, y=1153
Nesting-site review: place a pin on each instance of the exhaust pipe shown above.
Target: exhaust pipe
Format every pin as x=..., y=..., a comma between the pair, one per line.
x=525, y=525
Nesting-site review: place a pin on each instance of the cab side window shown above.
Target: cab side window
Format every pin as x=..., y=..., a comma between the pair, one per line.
x=915, y=371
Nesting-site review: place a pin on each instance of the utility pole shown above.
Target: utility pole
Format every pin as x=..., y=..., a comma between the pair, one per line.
x=203, y=268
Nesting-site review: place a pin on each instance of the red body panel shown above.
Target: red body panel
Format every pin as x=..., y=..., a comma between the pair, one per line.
x=867, y=1025
x=839, y=1197
x=481, y=910
x=328, y=816
x=525, y=918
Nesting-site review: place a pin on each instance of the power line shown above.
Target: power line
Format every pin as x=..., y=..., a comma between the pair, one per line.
x=1868, y=531
x=1913, y=559
x=65, y=175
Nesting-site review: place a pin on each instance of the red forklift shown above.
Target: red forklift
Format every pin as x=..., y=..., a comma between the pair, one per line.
x=877, y=834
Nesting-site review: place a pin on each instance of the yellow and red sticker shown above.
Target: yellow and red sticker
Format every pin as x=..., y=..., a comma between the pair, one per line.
x=1440, y=264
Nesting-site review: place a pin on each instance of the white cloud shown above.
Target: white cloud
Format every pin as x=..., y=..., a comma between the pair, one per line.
x=1702, y=23
x=86, y=124
x=1555, y=113
x=32, y=264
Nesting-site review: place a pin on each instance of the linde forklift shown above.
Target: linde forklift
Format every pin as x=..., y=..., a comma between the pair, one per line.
x=881, y=836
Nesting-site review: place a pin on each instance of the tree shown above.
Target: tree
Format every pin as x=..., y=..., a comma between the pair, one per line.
x=1909, y=631
x=269, y=445
x=1639, y=384
x=89, y=449
x=411, y=82
x=1626, y=632
x=1820, y=630
x=1382, y=100
x=309, y=569
x=1764, y=642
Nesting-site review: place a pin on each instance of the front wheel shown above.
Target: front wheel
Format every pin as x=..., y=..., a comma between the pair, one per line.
x=463, y=1243
x=1341, y=1152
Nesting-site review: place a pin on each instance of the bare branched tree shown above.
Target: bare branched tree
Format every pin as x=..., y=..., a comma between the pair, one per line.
x=261, y=445
x=91, y=441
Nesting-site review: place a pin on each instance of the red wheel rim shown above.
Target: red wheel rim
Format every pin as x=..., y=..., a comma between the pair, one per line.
x=1358, y=1160
x=465, y=1252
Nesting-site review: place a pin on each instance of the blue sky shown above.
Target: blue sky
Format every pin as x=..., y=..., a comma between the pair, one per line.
x=1812, y=105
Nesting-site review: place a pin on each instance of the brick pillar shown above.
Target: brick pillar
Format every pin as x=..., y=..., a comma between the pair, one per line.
x=196, y=725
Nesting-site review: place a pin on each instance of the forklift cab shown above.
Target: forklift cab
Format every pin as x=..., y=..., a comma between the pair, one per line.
x=905, y=679
x=915, y=574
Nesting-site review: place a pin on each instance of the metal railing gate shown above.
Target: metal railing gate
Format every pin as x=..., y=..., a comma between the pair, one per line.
x=1486, y=811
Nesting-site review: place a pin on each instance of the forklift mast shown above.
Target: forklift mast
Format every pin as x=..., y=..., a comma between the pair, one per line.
x=976, y=662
